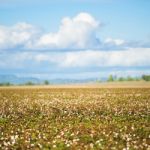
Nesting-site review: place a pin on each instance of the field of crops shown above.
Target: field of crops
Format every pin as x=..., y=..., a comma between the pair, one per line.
x=75, y=118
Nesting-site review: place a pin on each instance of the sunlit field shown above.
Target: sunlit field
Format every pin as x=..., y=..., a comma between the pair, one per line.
x=75, y=118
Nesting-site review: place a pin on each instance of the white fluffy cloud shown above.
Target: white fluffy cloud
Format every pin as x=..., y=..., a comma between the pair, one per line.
x=16, y=36
x=78, y=32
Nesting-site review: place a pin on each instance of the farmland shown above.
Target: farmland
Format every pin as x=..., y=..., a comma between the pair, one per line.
x=74, y=118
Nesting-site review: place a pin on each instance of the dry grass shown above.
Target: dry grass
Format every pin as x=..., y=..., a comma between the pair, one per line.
x=124, y=84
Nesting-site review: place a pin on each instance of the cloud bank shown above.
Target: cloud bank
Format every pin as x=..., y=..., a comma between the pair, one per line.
x=134, y=57
x=24, y=47
x=128, y=58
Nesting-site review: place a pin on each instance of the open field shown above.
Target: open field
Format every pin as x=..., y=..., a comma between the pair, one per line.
x=115, y=84
x=75, y=117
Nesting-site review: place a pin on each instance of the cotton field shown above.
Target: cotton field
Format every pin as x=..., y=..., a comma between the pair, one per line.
x=75, y=118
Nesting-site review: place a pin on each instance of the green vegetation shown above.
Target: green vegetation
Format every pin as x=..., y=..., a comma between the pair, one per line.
x=46, y=82
x=112, y=78
x=5, y=84
x=146, y=77
x=29, y=83
x=77, y=118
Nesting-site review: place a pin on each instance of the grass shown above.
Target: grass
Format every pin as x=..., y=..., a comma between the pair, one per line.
x=74, y=118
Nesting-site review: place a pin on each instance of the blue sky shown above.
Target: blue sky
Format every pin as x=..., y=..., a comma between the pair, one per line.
x=74, y=38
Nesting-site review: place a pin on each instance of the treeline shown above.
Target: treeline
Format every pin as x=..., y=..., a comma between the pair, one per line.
x=46, y=82
x=146, y=77
x=112, y=78
x=6, y=84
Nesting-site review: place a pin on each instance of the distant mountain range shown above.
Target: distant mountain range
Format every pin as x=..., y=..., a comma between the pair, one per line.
x=17, y=80
x=13, y=79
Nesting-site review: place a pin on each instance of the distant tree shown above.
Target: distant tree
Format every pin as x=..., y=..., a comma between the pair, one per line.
x=7, y=84
x=110, y=78
x=2, y=84
x=121, y=79
x=146, y=77
x=46, y=82
x=29, y=83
